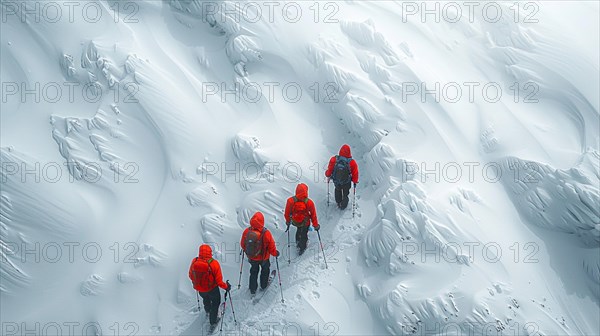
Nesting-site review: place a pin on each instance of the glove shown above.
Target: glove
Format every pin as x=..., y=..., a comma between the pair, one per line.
x=317, y=227
x=228, y=286
x=355, y=185
x=277, y=253
x=328, y=179
x=288, y=227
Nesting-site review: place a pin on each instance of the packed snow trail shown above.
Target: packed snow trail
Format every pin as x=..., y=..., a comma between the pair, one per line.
x=306, y=282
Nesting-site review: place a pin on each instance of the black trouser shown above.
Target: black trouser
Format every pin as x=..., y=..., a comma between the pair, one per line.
x=301, y=237
x=211, y=301
x=264, y=266
x=341, y=195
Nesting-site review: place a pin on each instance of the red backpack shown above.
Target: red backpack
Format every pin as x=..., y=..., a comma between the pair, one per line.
x=254, y=242
x=300, y=213
x=202, y=275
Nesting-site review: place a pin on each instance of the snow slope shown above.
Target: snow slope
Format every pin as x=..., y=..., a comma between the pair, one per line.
x=477, y=213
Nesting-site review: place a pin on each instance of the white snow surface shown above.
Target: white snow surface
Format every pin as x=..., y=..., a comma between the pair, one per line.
x=474, y=216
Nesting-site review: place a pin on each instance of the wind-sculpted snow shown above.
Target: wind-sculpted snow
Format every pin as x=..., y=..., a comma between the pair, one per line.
x=556, y=199
x=33, y=211
x=150, y=255
x=461, y=197
x=562, y=200
x=68, y=66
x=365, y=34
x=226, y=16
x=242, y=48
x=591, y=265
x=11, y=274
x=405, y=216
x=379, y=161
x=353, y=91
x=364, y=108
x=170, y=116
x=247, y=149
x=341, y=79
x=70, y=135
x=222, y=14
x=205, y=196
x=92, y=286
x=530, y=57
x=141, y=88
x=243, y=146
x=379, y=75
x=212, y=227
x=325, y=49
x=32, y=203
x=96, y=64
x=408, y=301
x=269, y=201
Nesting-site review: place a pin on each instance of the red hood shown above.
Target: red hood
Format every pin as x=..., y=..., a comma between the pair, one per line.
x=257, y=221
x=204, y=252
x=301, y=191
x=345, y=151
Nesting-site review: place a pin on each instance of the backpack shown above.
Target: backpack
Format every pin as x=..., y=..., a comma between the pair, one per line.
x=254, y=242
x=300, y=214
x=202, y=275
x=341, y=171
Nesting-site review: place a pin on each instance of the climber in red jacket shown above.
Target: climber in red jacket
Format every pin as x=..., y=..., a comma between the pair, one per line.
x=206, y=276
x=258, y=244
x=300, y=211
x=343, y=170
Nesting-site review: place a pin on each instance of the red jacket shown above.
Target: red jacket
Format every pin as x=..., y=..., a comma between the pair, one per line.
x=205, y=253
x=345, y=152
x=257, y=222
x=301, y=195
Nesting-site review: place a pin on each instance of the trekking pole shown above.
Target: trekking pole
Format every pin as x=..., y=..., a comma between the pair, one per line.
x=322, y=250
x=289, y=253
x=231, y=303
x=354, y=202
x=198, y=298
x=279, y=275
x=241, y=266
x=328, y=193
x=223, y=313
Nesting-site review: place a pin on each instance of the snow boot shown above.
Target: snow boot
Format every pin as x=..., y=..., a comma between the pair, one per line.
x=213, y=326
